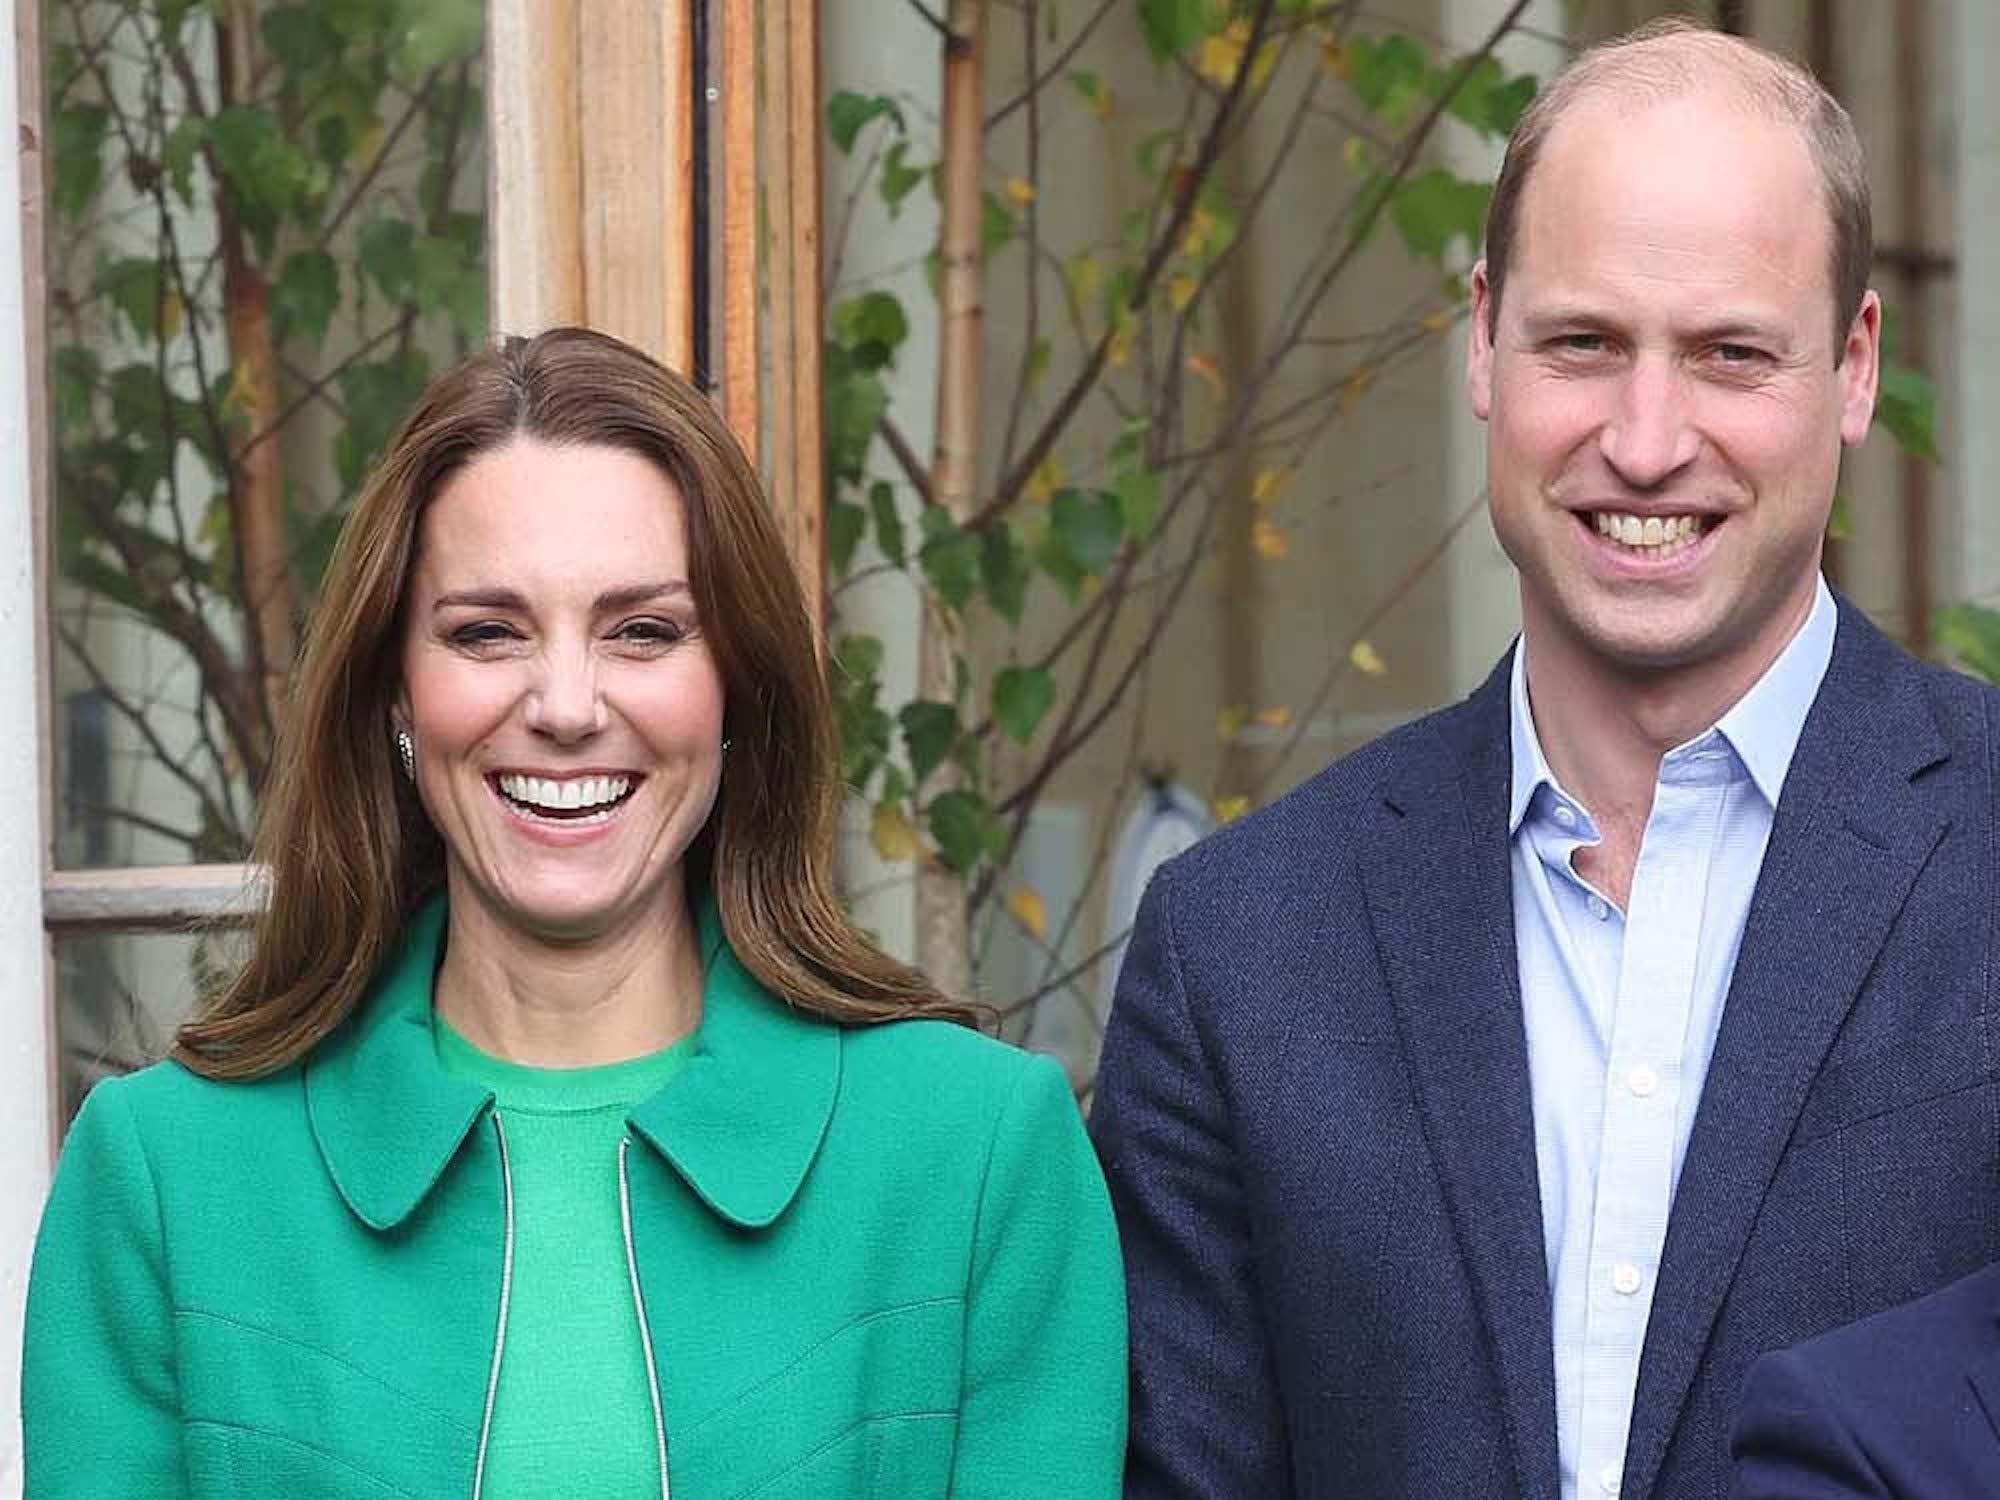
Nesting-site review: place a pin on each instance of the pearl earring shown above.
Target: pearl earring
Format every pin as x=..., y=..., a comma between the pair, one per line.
x=407, y=749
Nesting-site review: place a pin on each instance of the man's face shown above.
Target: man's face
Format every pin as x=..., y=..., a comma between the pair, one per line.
x=1665, y=412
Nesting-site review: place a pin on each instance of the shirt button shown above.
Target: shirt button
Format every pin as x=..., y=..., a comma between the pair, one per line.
x=1599, y=908
x=1565, y=815
x=1625, y=1278
x=1643, y=1081
x=1608, y=1479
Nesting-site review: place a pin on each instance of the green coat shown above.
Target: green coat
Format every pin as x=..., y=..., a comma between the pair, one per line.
x=874, y=1262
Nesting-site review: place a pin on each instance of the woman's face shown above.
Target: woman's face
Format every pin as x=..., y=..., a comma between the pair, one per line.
x=566, y=709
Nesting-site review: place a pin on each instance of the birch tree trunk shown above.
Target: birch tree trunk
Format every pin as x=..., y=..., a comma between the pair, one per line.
x=943, y=941
x=257, y=480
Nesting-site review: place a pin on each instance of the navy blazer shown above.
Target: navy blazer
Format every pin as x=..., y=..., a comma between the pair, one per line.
x=1314, y=1114
x=1901, y=1406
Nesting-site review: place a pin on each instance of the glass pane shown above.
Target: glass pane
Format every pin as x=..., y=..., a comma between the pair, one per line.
x=119, y=996
x=1225, y=520
x=265, y=233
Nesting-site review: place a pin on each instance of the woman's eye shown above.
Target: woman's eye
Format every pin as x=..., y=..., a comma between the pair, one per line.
x=484, y=633
x=650, y=632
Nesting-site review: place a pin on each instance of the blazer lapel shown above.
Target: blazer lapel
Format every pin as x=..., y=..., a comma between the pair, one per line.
x=1440, y=901
x=1850, y=835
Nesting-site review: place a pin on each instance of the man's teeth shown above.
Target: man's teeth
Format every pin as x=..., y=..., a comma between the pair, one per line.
x=1660, y=535
x=565, y=796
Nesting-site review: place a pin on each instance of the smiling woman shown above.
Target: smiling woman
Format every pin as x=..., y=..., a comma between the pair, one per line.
x=614, y=1153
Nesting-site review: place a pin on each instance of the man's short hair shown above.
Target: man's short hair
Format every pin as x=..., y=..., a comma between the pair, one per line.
x=1666, y=59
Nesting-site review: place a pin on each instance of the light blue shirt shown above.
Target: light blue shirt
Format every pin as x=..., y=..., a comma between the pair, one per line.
x=1621, y=1011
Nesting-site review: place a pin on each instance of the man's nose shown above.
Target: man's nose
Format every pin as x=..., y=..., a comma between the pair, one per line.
x=564, y=702
x=1651, y=436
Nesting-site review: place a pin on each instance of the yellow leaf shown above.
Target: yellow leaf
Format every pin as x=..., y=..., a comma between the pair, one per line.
x=1272, y=544
x=1201, y=227
x=1043, y=482
x=1102, y=104
x=1026, y=905
x=1205, y=366
x=1229, y=809
x=892, y=834
x=1084, y=275
x=173, y=313
x=1333, y=56
x=1181, y=290
x=1267, y=59
x=1229, y=722
x=1355, y=154
x=1021, y=191
x=1119, y=354
x=1278, y=716
x=1222, y=53
x=1354, y=388
x=1439, y=319
x=1367, y=659
x=1268, y=485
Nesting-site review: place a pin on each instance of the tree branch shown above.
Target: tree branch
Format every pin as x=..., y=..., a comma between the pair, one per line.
x=906, y=459
x=1038, y=81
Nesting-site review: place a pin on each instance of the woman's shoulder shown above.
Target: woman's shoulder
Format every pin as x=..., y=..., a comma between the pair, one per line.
x=954, y=1060
x=167, y=1101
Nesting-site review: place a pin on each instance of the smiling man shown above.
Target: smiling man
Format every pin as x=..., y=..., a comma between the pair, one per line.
x=1476, y=1114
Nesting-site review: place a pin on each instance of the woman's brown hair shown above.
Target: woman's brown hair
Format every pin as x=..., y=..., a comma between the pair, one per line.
x=350, y=850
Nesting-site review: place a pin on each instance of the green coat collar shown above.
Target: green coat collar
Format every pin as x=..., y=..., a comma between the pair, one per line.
x=741, y=1123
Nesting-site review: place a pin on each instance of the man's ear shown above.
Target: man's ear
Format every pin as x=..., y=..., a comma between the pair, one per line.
x=1479, y=348
x=1860, y=370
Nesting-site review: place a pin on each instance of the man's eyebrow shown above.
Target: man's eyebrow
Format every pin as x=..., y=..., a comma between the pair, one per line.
x=622, y=597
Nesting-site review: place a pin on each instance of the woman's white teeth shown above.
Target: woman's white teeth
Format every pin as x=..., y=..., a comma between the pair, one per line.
x=565, y=796
x=1661, y=535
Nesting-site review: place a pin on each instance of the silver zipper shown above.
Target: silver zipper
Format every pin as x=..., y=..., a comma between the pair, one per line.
x=506, y=1291
x=639, y=1306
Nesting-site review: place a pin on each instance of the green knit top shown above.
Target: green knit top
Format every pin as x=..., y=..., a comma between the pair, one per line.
x=573, y=1412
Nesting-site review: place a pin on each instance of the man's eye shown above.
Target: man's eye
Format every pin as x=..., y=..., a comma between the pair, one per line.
x=1738, y=354
x=1581, y=343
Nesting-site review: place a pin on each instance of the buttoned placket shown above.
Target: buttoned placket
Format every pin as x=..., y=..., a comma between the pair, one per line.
x=1643, y=970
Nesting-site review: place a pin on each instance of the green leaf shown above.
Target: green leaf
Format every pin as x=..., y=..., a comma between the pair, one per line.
x=1003, y=566
x=1434, y=208
x=963, y=827
x=385, y=249
x=873, y=326
x=306, y=293
x=438, y=33
x=1388, y=76
x=134, y=287
x=376, y=397
x=847, y=113
x=1088, y=526
x=898, y=179
x=996, y=225
x=1021, y=697
x=1971, y=632
x=1138, y=492
x=854, y=400
x=949, y=556
x=859, y=657
x=888, y=524
x=298, y=37
x=180, y=153
x=74, y=375
x=930, y=729
x=76, y=140
x=1172, y=26
x=1906, y=404
x=266, y=174
x=845, y=524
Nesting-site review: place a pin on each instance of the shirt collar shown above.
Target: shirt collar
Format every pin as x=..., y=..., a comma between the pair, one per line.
x=742, y=1121
x=1762, y=727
